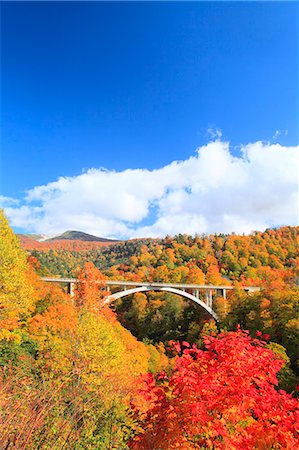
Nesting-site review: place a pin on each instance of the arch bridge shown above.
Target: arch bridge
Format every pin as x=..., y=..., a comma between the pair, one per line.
x=189, y=291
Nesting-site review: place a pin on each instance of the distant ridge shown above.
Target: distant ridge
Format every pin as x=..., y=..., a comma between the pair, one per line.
x=78, y=236
x=36, y=237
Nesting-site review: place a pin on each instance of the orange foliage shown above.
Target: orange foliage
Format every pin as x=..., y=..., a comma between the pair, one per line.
x=62, y=244
x=61, y=318
x=213, y=276
x=195, y=276
x=89, y=289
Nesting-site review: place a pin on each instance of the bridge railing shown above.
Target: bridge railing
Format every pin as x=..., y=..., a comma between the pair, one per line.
x=154, y=284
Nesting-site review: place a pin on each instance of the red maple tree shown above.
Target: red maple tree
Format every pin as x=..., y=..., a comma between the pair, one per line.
x=223, y=397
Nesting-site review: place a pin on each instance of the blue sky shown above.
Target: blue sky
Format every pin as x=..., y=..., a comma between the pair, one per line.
x=138, y=85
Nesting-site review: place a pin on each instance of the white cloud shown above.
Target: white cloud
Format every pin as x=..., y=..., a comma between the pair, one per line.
x=7, y=201
x=276, y=134
x=279, y=133
x=214, y=133
x=212, y=191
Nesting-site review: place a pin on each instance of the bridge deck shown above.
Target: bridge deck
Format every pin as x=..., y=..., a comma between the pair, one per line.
x=153, y=284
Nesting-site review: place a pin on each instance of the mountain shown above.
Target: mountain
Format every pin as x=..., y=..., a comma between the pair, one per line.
x=78, y=236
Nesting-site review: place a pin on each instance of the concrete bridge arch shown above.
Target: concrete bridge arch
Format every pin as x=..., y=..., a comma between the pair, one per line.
x=171, y=290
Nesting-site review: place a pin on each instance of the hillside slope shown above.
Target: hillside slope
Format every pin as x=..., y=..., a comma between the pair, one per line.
x=78, y=236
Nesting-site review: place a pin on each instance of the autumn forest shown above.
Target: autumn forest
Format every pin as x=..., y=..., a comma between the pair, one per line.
x=150, y=371
x=149, y=238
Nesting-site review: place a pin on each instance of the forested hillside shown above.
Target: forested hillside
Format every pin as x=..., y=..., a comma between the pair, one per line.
x=69, y=370
x=268, y=259
x=151, y=372
x=237, y=257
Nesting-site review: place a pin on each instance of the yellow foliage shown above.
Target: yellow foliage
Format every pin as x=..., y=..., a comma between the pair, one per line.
x=221, y=306
x=108, y=357
x=17, y=294
x=158, y=360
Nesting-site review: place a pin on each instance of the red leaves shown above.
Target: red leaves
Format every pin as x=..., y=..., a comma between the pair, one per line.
x=222, y=397
x=175, y=346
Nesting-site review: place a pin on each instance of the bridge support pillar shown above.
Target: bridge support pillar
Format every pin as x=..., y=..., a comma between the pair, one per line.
x=209, y=298
x=70, y=289
x=224, y=293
